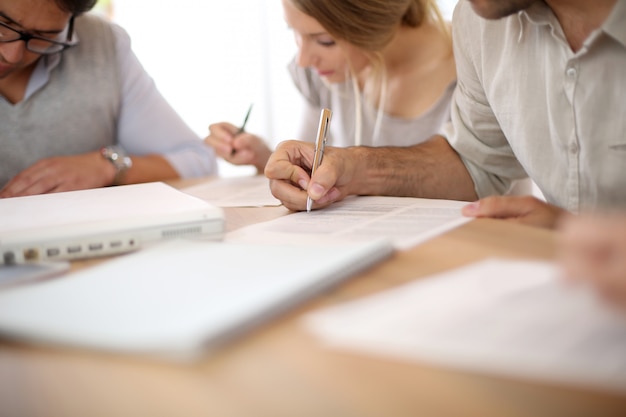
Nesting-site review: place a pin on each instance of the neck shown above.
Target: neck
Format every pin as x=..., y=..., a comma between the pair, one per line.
x=579, y=18
x=412, y=47
x=13, y=87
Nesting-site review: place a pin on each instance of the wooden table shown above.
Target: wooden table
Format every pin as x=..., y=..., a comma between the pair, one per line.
x=281, y=370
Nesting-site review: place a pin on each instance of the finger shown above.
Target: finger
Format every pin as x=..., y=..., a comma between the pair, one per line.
x=36, y=179
x=223, y=129
x=287, y=163
x=221, y=138
x=324, y=179
x=245, y=142
x=332, y=196
x=501, y=207
x=223, y=150
x=223, y=147
x=292, y=197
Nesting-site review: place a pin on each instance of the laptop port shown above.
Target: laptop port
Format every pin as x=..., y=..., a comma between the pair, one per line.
x=95, y=246
x=31, y=254
x=74, y=249
x=9, y=258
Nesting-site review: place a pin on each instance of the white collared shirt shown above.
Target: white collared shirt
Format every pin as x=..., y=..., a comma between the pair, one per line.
x=526, y=103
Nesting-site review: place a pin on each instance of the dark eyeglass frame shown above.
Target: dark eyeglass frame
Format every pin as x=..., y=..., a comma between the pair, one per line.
x=55, y=46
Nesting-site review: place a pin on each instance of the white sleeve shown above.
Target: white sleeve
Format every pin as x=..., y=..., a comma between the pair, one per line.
x=148, y=124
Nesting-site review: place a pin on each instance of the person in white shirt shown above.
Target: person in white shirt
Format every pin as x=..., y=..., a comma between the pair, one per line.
x=77, y=109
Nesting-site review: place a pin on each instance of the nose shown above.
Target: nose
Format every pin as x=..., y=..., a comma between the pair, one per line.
x=12, y=52
x=306, y=55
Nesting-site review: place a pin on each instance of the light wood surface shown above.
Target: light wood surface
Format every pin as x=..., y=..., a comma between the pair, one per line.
x=281, y=370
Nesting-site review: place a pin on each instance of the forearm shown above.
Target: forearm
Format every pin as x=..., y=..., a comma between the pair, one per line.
x=429, y=170
x=149, y=168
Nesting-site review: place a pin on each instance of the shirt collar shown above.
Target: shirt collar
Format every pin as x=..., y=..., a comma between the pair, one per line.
x=43, y=68
x=615, y=25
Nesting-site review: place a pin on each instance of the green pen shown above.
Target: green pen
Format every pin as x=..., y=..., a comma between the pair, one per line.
x=243, y=126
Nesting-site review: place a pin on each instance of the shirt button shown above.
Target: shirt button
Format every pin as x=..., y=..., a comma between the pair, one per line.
x=573, y=147
x=571, y=72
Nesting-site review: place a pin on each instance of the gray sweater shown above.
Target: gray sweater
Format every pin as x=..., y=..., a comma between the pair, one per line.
x=75, y=112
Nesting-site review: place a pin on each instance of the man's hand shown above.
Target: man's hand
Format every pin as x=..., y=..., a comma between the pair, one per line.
x=288, y=170
x=523, y=209
x=593, y=249
x=61, y=173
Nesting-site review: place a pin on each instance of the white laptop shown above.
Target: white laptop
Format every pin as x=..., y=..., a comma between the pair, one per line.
x=103, y=221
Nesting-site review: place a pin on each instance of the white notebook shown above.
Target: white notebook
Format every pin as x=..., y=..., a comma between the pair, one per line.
x=179, y=297
x=102, y=221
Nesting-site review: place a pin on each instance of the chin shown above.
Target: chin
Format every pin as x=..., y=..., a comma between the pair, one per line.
x=333, y=78
x=497, y=9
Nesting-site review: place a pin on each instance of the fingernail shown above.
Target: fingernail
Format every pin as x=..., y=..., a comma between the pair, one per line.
x=303, y=184
x=333, y=194
x=471, y=208
x=316, y=191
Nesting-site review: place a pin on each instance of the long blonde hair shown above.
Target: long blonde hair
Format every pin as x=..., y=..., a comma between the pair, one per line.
x=370, y=25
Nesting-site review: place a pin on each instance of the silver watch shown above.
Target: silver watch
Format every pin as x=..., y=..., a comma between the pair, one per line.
x=120, y=160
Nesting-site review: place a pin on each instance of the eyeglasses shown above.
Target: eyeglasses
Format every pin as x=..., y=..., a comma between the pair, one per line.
x=37, y=44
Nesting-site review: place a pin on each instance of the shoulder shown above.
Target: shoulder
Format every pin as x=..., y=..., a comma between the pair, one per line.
x=91, y=25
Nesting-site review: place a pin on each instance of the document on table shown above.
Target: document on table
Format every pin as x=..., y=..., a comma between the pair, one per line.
x=251, y=191
x=404, y=221
x=516, y=318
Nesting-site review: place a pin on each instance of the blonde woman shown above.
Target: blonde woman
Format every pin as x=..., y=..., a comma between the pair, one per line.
x=385, y=68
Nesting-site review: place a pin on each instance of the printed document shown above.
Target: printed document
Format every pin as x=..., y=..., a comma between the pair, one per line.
x=515, y=318
x=235, y=192
x=404, y=221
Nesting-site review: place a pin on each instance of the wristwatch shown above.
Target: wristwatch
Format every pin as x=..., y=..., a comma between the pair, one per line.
x=120, y=160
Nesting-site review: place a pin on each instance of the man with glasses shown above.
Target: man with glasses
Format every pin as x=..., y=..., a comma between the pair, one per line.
x=77, y=110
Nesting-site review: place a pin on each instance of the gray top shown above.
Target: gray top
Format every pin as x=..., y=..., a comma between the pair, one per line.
x=340, y=99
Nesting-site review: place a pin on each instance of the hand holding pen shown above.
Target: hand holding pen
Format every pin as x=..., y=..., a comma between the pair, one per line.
x=235, y=145
x=320, y=144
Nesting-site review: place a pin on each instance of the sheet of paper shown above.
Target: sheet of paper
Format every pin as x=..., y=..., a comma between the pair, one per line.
x=404, y=221
x=251, y=191
x=497, y=316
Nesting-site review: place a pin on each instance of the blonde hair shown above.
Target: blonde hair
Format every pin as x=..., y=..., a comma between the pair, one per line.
x=370, y=25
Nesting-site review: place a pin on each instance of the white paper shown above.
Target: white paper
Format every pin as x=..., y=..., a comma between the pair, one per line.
x=404, y=221
x=497, y=316
x=235, y=192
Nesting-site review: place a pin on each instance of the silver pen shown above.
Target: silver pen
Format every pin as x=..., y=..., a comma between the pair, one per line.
x=320, y=144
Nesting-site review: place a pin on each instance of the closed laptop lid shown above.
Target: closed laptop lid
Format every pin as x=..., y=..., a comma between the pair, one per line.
x=101, y=221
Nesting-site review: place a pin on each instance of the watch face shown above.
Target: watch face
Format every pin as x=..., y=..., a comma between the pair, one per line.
x=119, y=159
